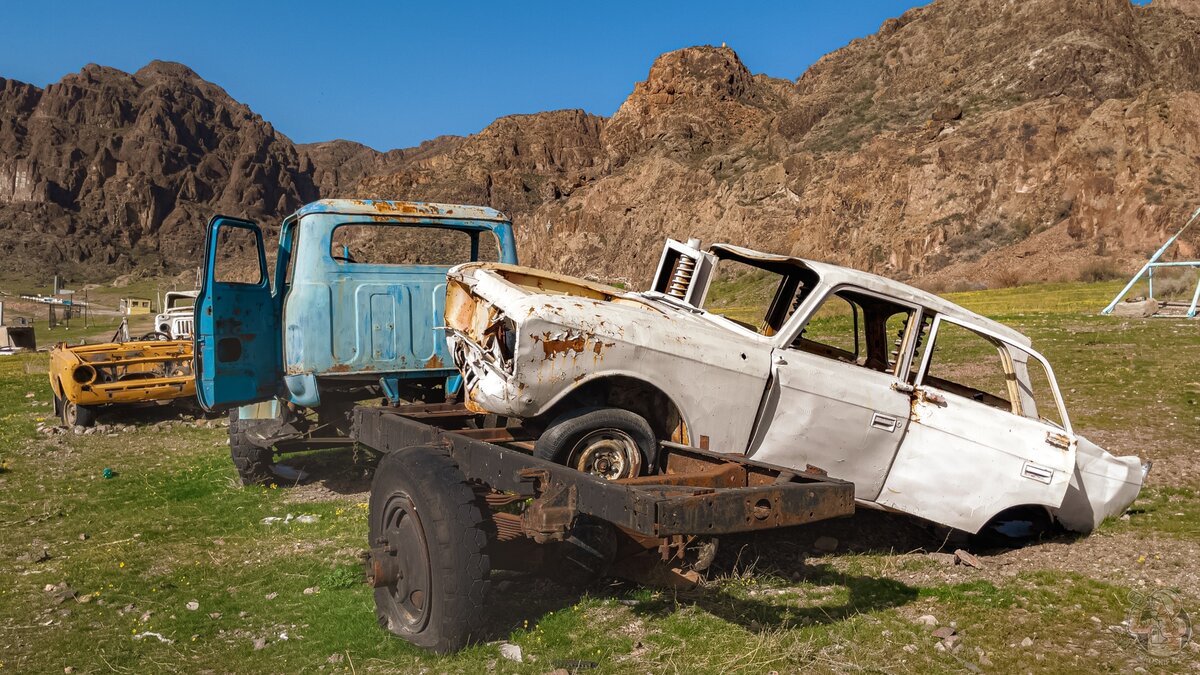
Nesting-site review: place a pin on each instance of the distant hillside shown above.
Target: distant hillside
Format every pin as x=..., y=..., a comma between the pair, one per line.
x=967, y=140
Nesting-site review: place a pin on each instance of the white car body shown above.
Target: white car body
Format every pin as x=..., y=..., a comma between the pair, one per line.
x=529, y=343
x=177, y=317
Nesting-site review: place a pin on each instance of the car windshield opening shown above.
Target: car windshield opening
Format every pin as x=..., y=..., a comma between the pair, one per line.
x=760, y=297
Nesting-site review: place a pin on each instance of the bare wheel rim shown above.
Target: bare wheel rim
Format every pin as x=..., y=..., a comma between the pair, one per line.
x=608, y=453
x=406, y=542
x=70, y=413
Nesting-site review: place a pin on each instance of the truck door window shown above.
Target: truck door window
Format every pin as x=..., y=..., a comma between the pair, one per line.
x=392, y=244
x=237, y=256
x=970, y=365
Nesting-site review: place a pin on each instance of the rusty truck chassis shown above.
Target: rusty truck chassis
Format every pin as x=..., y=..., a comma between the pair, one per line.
x=659, y=522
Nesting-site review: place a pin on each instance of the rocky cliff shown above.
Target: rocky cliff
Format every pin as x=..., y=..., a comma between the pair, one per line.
x=966, y=140
x=994, y=142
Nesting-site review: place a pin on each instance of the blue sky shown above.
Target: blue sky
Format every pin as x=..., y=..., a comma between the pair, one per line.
x=391, y=74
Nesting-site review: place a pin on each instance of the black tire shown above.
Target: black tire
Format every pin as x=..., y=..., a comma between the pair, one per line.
x=430, y=526
x=597, y=440
x=73, y=415
x=253, y=463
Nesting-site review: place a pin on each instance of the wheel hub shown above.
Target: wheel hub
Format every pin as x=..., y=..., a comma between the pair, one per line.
x=608, y=453
x=399, y=565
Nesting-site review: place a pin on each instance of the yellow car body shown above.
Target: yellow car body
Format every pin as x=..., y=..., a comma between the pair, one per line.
x=85, y=377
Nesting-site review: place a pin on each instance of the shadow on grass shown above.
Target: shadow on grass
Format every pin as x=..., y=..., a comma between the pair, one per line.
x=769, y=612
x=343, y=471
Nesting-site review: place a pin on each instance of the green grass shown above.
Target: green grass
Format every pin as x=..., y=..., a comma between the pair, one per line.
x=173, y=527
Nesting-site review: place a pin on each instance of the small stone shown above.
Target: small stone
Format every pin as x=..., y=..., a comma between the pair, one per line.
x=271, y=596
x=83, y=536
x=260, y=643
x=941, y=647
x=1027, y=642
x=825, y=544
x=911, y=649
x=68, y=670
x=511, y=652
x=335, y=658
x=312, y=589
x=951, y=641
x=214, y=615
x=968, y=559
x=927, y=620
x=943, y=632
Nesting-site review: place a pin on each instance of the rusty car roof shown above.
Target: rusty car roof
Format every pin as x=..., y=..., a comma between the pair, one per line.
x=401, y=209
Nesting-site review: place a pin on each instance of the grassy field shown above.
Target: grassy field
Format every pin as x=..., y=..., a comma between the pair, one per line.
x=167, y=565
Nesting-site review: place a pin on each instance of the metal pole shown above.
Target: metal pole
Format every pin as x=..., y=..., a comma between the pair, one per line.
x=1112, y=305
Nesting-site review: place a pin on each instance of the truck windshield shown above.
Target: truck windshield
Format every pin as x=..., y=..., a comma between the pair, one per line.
x=392, y=244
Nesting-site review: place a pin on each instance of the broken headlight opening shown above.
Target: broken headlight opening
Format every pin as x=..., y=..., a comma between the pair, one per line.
x=500, y=342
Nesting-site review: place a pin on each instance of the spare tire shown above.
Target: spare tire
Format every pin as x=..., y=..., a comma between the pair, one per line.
x=608, y=442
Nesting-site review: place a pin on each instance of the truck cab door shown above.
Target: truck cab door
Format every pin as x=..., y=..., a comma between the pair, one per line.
x=237, y=326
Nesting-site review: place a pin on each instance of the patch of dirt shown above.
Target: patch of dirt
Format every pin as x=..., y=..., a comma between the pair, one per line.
x=332, y=475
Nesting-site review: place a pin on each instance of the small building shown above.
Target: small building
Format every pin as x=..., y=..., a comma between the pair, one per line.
x=131, y=306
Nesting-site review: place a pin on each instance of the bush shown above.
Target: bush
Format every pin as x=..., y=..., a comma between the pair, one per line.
x=1101, y=270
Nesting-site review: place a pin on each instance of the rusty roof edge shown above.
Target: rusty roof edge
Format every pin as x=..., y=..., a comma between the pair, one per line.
x=402, y=210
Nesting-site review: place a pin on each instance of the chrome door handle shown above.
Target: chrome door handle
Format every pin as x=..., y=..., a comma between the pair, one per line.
x=885, y=422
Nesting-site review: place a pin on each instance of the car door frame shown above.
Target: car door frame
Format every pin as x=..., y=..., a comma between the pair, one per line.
x=782, y=349
x=924, y=474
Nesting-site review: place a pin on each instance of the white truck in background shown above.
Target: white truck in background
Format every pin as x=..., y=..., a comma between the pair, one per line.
x=175, y=321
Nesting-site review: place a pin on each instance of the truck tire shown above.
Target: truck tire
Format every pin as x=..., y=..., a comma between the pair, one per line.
x=252, y=462
x=429, y=561
x=74, y=415
x=608, y=442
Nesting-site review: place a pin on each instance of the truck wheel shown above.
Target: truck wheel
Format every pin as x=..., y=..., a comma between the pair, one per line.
x=74, y=415
x=428, y=560
x=252, y=462
x=608, y=442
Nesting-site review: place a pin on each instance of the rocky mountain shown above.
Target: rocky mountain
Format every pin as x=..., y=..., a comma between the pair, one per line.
x=968, y=141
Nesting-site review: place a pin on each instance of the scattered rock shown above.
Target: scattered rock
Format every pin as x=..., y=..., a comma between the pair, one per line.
x=1027, y=642
x=911, y=649
x=271, y=596
x=214, y=615
x=927, y=620
x=193, y=605
x=943, y=632
x=335, y=658
x=260, y=643
x=312, y=590
x=825, y=544
x=968, y=559
x=945, y=112
x=511, y=652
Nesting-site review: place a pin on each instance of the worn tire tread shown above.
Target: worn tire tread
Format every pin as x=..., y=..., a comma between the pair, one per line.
x=253, y=463
x=456, y=531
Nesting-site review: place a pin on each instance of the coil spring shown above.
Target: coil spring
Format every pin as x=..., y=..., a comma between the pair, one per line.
x=681, y=278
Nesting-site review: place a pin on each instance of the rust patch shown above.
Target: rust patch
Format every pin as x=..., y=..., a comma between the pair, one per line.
x=339, y=368
x=552, y=347
x=435, y=363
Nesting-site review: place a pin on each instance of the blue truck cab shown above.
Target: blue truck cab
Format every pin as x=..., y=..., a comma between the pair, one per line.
x=353, y=310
